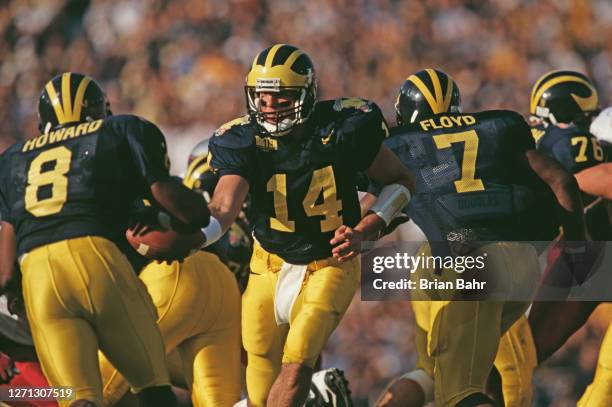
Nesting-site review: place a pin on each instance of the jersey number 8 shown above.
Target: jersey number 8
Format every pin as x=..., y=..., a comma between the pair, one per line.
x=54, y=178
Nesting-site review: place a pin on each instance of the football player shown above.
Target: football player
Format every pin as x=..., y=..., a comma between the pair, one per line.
x=66, y=195
x=327, y=386
x=563, y=104
x=298, y=158
x=477, y=180
x=206, y=343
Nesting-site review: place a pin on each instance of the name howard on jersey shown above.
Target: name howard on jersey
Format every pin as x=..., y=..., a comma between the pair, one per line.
x=62, y=134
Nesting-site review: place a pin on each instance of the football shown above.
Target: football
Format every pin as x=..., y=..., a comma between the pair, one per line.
x=165, y=244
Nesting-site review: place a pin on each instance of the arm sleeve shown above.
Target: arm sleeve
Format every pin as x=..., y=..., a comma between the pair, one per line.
x=227, y=159
x=364, y=133
x=148, y=149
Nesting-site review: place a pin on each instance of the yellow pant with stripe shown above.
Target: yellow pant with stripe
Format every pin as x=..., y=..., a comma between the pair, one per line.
x=457, y=341
x=599, y=393
x=198, y=304
x=326, y=293
x=82, y=295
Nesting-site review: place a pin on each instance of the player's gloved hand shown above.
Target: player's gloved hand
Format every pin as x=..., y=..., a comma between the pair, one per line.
x=7, y=369
x=347, y=242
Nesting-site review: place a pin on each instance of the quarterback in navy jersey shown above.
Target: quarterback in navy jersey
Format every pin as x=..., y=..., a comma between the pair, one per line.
x=299, y=159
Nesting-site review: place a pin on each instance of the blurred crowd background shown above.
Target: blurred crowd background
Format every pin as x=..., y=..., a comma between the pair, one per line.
x=182, y=64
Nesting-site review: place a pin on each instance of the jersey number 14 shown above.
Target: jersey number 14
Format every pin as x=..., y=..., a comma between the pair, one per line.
x=322, y=181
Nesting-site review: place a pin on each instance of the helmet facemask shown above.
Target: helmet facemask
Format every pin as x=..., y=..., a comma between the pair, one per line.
x=282, y=120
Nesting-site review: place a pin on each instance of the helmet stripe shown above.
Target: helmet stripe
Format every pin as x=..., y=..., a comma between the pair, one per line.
x=66, y=97
x=260, y=59
x=435, y=80
x=449, y=93
x=554, y=81
x=292, y=58
x=196, y=168
x=78, y=100
x=424, y=90
x=55, y=102
x=271, y=54
x=536, y=87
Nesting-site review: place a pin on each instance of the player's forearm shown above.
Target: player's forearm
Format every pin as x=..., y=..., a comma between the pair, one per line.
x=225, y=212
x=370, y=226
x=596, y=181
x=227, y=200
x=184, y=204
x=564, y=187
x=387, y=169
x=366, y=202
x=570, y=208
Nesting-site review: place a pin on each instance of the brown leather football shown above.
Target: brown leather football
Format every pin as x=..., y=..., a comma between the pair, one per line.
x=165, y=244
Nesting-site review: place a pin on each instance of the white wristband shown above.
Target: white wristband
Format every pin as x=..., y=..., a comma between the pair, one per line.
x=391, y=201
x=212, y=232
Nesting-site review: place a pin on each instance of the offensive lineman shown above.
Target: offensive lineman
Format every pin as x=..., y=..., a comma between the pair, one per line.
x=563, y=104
x=476, y=181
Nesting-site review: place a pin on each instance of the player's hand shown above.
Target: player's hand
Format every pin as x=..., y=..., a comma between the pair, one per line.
x=346, y=242
x=7, y=369
x=144, y=219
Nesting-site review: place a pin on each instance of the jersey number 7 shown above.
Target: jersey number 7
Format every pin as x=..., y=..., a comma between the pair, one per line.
x=467, y=182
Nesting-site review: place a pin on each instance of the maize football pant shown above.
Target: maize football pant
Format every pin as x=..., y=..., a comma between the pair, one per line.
x=457, y=341
x=82, y=295
x=198, y=304
x=326, y=292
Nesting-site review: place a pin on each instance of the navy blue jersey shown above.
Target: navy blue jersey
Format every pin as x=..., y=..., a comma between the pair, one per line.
x=575, y=148
x=80, y=180
x=302, y=190
x=471, y=180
